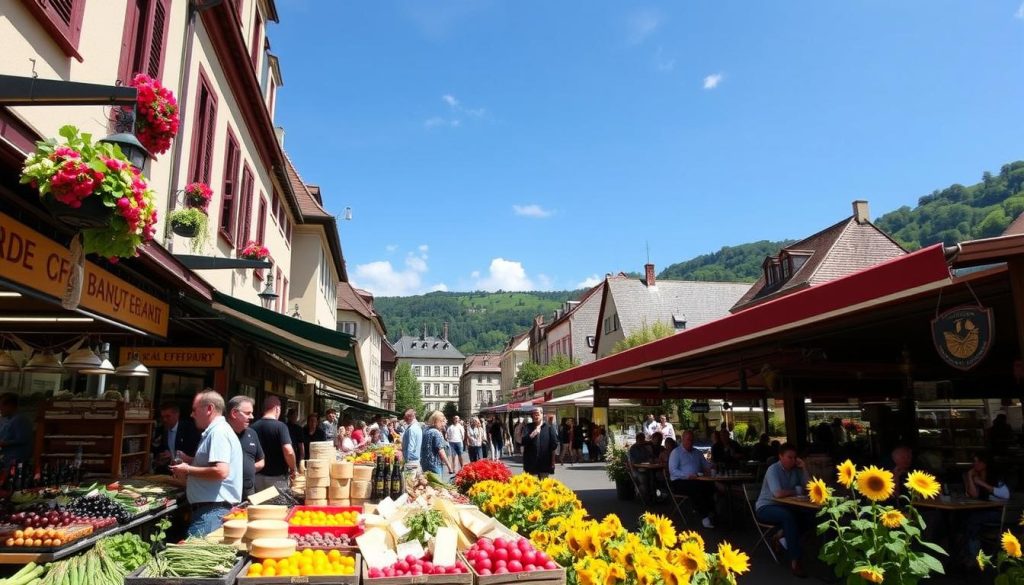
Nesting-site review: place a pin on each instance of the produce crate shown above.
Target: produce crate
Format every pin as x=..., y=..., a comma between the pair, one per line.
x=351, y=531
x=352, y=579
x=446, y=579
x=546, y=577
x=139, y=578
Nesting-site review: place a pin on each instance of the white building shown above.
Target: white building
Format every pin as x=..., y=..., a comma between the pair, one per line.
x=481, y=382
x=357, y=317
x=437, y=365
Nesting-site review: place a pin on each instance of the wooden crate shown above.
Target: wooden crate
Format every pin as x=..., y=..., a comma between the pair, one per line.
x=140, y=578
x=352, y=579
x=446, y=579
x=552, y=577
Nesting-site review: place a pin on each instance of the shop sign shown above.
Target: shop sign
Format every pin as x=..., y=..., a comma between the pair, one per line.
x=29, y=259
x=963, y=335
x=175, y=357
x=700, y=407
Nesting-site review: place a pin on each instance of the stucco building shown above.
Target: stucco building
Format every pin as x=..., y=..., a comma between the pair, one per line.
x=480, y=383
x=437, y=365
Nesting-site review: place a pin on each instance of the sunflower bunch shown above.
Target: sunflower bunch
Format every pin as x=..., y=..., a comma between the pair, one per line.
x=1009, y=562
x=524, y=503
x=870, y=540
x=605, y=553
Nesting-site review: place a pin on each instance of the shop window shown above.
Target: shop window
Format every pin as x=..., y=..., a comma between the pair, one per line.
x=62, y=19
x=201, y=159
x=227, y=201
x=144, y=40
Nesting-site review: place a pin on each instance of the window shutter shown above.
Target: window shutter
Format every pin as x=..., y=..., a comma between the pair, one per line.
x=207, y=146
x=157, y=39
x=230, y=188
x=261, y=227
x=63, y=10
x=62, y=19
x=245, y=209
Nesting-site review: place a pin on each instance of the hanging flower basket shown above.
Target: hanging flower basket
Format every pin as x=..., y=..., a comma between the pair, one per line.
x=254, y=251
x=185, y=230
x=93, y=187
x=156, y=114
x=191, y=223
x=198, y=195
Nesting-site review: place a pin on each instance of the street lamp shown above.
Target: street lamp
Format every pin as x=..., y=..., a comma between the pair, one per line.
x=131, y=147
x=268, y=295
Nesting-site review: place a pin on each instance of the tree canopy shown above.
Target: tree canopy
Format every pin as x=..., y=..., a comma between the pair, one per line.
x=407, y=390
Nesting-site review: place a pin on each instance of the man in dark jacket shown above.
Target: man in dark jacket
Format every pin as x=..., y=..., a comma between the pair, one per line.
x=175, y=434
x=540, y=445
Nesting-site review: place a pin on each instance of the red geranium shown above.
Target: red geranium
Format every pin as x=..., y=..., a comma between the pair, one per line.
x=156, y=121
x=198, y=195
x=482, y=470
x=254, y=251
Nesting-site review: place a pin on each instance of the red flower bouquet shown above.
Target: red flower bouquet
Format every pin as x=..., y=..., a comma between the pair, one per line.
x=482, y=470
x=198, y=195
x=156, y=121
x=254, y=251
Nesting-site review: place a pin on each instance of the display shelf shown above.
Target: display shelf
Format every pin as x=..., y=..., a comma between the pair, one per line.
x=115, y=431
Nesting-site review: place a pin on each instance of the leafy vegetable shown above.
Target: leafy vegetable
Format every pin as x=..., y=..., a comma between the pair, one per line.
x=423, y=526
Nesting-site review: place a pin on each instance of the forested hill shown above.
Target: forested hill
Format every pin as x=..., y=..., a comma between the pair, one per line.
x=477, y=321
x=482, y=321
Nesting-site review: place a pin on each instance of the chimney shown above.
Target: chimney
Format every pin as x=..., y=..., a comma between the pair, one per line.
x=444, y=335
x=649, y=274
x=424, y=334
x=860, y=211
x=279, y=132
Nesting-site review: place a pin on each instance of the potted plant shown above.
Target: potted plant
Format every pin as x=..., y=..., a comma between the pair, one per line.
x=254, y=251
x=618, y=472
x=198, y=195
x=192, y=223
x=156, y=114
x=92, y=186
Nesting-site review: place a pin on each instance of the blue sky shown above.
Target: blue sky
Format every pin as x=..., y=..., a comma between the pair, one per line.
x=539, y=145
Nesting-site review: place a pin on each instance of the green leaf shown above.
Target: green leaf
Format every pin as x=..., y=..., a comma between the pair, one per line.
x=897, y=548
x=932, y=563
x=68, y=131
x=933, y=547
x=864, y=525
x=98, y=165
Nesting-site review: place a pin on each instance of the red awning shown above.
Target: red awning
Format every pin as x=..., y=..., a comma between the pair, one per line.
x=899, y=278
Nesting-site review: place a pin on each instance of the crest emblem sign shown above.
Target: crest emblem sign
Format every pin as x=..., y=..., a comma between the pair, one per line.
x=963, y=335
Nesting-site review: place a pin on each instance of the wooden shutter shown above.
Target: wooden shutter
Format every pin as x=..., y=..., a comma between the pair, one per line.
x=208, y=139
x=257, y=38
x=62, y=19
x=144, y=39
x=261, y=217
x=227, y=207
x=157, y=38
x=245, y=209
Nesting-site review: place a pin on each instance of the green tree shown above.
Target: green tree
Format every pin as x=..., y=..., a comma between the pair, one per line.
x=407, y=390
x=530, y=372
x=646, y=334
x=450, y=410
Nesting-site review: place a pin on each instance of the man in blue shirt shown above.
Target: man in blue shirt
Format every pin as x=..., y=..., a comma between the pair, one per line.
x=785, y=478
x=213, y=478
x=684, y=465
x=412, y=439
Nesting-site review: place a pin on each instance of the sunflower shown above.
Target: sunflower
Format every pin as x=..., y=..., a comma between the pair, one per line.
x=534, y=516
x=674, y=575
x=1011, y=545
x=892, y=518
x=663, y=527
x=847, y=470
x=924, y=484
x=616, y=573
x=817, y=491
x=690, y=557
x=610, y=527
x=692, y=535
x=540, y=539
x=591, y=571
x=983, y=560
x=872, y=574
x=732, y=560
x=875, y=484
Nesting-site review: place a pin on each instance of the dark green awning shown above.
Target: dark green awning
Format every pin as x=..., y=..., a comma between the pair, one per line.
x=325, y=354
x=353, y=403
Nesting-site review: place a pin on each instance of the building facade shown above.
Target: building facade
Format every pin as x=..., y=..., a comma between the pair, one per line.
x=356, y=317
x=513, y=356
x=481, y=382
x=437, y=365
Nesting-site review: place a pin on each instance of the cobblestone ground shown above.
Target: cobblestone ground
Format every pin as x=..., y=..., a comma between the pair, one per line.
x=597, y=493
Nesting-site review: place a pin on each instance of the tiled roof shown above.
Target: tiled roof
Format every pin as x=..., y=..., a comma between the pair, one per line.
x=1016, y=227
x=348, y=300
x=409, y=346
x=482, y=362
x=838, y=250
x=638, y=305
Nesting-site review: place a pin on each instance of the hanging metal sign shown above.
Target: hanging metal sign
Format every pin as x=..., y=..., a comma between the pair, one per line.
x=963, y=335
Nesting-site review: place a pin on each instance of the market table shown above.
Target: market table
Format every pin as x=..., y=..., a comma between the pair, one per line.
x=22, y=558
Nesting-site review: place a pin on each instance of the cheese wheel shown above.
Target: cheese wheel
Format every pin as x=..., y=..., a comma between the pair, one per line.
x=321, y=473
x=323, y=450
x=272, y=548
x=362, y=472
x=340, y=502
x=341, y=483
x=318, y=482
x=341, y=470
x=360, y=489
x=267, y=512
x=257, y=529
x=316, y=493
x=335, y=492
x=310, y=502
x=235, y=529
x=358, y=502
x=317, y=464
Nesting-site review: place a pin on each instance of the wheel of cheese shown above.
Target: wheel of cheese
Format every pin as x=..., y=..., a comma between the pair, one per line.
x=340, y=502
x=318, y=482
x=341, y=483
x=272, y=548
x=323, y=450
x=336, y=492
x=360, y=490
x=358, y=502
x=267, y=512
x=316, y=493
x=362, y=472
x=320, y=473
x=235, y=529
x=341, y=470
x=310, y=502
x=317, y=464
x=257, y=529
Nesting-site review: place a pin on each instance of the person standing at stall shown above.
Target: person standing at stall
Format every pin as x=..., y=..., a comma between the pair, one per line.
x=540, y=446
x=175, y=434
x=213, y=478
x=295, y=432
x=16, y=435
x=434, y=451
x=412, y=441
x=456, y=436
x=313, y=432
x=330, y=424
x=497, y=432
x=240, y=415
x=280, y=466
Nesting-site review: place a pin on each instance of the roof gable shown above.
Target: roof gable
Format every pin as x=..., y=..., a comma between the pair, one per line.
x=426, y=346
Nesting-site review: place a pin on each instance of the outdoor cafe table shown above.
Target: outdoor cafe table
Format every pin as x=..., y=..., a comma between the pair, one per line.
x=798, y=501
x=958, y=504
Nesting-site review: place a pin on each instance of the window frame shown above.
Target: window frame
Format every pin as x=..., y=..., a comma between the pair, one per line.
x=229, y=196
x=204, y=135
x=257, y=40
x=140, y=29
x=244, y=218
x=67, y=34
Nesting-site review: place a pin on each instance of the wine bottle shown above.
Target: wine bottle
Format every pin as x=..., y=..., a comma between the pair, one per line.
x=397, y=485
x=379, y=491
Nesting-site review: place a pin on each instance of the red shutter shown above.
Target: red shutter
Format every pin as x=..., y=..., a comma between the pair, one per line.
x=211, y=121
x=245, y=209
x=157, y=38
x=62, y=19
x=261, y=215
x=257, y=36
x=227, y=207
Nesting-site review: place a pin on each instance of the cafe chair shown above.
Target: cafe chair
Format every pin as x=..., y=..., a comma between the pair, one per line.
x=764, y=529
x=679, y=501
x=636, y=484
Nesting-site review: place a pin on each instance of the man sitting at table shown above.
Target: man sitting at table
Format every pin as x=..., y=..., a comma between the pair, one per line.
x=783, y=479
x=641, y=452
x=684, y=464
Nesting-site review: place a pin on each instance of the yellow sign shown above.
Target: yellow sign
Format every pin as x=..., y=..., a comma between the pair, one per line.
x=29, y=259
x=175, y=357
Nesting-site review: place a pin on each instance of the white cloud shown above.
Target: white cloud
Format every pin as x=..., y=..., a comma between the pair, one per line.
x=641, y=25
x=439, y=287
x=544, y=282
x=450, y=100
x=391, y=247
x=423, y=248
x=1020, y=12
x=382, y=279
x=532, y=210
x=504, y=275
x=457, y=113
x=589, y=282
x=712, y=81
